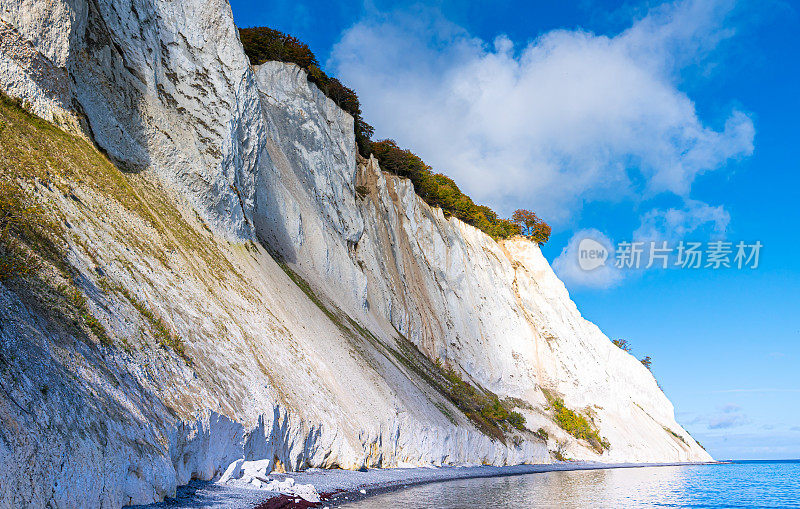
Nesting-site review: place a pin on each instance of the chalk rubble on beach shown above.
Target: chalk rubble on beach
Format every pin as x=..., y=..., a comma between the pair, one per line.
x=256, y=474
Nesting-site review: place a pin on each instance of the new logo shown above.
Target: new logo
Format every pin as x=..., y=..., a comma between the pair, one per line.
x=591, y=254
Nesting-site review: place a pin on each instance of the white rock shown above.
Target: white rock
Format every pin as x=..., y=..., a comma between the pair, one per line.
x=166, y=87
x=234, y=471
x=256, y=468
x=307, y=492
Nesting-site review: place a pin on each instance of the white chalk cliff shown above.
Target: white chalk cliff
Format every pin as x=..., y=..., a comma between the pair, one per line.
x=321, y=360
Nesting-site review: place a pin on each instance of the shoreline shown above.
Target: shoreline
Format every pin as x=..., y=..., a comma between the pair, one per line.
x=337, y=487
x=448, y=473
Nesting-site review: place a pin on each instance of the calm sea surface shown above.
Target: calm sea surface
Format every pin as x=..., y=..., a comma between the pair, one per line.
x=743, y=484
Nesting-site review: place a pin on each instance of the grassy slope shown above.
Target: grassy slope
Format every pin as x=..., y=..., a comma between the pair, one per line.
x=38, y=157
x=39, y=161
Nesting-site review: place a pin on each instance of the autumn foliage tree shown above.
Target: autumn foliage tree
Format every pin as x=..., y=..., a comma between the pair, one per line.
x=531, y=226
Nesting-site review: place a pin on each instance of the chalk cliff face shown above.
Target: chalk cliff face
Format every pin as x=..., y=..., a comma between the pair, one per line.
x=314, y=293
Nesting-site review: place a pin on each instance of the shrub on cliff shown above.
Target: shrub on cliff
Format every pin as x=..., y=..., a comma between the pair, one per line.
x=483, y=407
x=262, y=44
x=622, y=344
x=516, y=419
x=440, y=190
x=575, y=423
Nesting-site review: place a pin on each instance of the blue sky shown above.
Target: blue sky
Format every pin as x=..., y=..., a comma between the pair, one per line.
x=637, y=120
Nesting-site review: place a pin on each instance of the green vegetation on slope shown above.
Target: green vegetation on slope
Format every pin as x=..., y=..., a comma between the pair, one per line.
x=32, y=246
x=262, y=44
x=33, y=241
x=441, y=191
x=21, y=224
x=491, y=415
x=162, y=333
x=480, y=405
x=674, y=434
x=575, y=424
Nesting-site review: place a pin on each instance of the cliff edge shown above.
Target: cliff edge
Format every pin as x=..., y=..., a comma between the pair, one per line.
x=210, y=272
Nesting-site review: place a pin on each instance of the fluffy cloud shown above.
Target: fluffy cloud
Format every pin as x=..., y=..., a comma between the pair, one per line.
x=568, y=118
x=694, y=218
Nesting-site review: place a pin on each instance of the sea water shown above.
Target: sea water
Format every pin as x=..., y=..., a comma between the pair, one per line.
x=743, y=484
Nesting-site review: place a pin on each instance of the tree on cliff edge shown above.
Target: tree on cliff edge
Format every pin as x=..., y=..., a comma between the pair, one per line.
x=531, y=226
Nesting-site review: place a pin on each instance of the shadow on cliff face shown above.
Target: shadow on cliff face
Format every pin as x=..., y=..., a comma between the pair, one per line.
x=109, y=94
x=70, y=407
x=275, y=210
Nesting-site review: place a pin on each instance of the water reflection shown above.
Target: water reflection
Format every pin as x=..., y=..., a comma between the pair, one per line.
x=739, y=485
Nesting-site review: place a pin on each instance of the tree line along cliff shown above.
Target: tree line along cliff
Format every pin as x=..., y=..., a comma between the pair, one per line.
x=262, y=44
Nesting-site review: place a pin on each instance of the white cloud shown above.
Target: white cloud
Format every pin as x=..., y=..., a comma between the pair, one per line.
x=694, y=218
x=569, y=118
x=569, y=270
x=749, y=445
